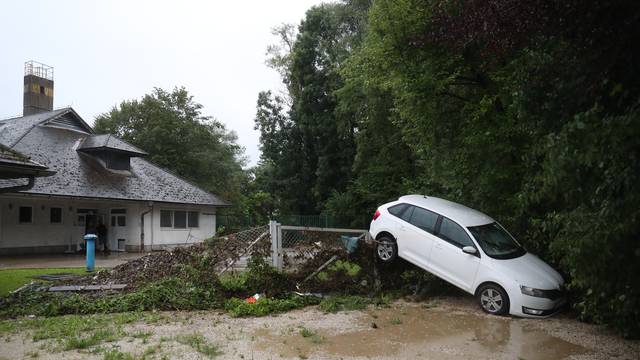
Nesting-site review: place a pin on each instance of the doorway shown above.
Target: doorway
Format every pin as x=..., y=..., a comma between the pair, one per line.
x=118, y=229
x=85, y=222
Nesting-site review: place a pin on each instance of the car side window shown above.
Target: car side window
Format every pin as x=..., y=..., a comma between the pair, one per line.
x=454, y=233
x=398, y=210
x=406, y=215
x=424, y=219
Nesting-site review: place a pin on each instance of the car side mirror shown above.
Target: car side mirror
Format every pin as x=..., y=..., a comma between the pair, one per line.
x=470, y=250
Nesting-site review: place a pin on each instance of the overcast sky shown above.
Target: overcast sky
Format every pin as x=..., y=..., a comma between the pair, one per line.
x=104, y=52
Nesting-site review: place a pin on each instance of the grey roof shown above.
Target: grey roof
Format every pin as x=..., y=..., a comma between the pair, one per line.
x=16, y=165
x=108, y=141
x=81, y=175
x=11, y=130
x=8, y=156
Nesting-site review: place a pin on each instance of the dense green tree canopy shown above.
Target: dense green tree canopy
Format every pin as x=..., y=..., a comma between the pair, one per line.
x=170, y=126
x=308, y=153
x=527, y=110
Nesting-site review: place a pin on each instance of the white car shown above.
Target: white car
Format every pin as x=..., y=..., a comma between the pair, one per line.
x=469, y=250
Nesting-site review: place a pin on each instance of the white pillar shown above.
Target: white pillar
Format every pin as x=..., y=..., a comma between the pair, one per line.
x=275, y=230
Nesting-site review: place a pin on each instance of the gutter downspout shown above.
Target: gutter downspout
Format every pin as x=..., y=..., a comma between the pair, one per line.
x=28, y=186
x=142, y=227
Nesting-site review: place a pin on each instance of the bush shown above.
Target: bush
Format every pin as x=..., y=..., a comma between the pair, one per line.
x=265, y=279
x=265, y=306
x=167, y=294
x=234, y=284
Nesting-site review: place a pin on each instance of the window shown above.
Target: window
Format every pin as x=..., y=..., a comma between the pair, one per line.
x=403, y=211
x=165, y=218
x=55, y=215
x=41, y=89
x=193, y=219
x=118, y=217
x=25, y=215
x=406, y=215
x=83, y=214
x=424, y=219
x=180, y=219
x=496, y=241
x=397, y=210
x=454, y=234
x=115, y=161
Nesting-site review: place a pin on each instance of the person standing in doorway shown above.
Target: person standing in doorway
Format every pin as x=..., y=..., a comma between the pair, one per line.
x=89, y=228
x=101, y=230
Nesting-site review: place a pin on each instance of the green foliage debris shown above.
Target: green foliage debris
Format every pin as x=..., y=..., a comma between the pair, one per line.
x=337, y=303
x=265, y=306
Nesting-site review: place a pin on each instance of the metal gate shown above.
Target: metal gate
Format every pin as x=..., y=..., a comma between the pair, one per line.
x=293, y=246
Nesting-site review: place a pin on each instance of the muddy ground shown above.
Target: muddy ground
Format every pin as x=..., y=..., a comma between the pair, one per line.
x=443, y=328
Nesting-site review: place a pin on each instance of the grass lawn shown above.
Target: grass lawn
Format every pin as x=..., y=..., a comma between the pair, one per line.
x=11, y=279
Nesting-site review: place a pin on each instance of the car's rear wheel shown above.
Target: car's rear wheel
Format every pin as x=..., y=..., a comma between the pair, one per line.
x=493, y=299
x=387, y=249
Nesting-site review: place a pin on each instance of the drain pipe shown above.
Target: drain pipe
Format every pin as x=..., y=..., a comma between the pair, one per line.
x=25, y=187
x=150, y=210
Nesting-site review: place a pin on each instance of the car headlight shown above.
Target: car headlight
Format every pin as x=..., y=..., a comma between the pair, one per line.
x=531, y=291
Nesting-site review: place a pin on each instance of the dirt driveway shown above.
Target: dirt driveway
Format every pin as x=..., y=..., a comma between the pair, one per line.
x=445, y=328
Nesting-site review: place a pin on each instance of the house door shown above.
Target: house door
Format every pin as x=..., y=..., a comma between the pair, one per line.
x=118, y=229
x=84, y=222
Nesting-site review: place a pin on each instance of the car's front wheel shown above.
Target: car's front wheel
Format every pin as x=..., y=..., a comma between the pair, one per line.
x=493, y=299
x=387, y=249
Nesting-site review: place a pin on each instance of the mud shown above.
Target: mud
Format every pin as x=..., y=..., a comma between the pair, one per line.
x=442, y=328
x=408, y=330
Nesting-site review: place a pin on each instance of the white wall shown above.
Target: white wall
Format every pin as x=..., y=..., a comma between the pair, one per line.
x=167, y=237
x=40, y=232
x=42, y=236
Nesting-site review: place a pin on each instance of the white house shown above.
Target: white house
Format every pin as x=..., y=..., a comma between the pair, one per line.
x=97, y=178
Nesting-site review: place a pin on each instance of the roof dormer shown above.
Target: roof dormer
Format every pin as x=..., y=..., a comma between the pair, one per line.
x=114, y=154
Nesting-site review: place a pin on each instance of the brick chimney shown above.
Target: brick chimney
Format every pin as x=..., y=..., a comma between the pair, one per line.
x=38, y=88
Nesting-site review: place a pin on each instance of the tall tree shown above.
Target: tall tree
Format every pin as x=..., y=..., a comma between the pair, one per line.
x=319, y=151
x=170, y=126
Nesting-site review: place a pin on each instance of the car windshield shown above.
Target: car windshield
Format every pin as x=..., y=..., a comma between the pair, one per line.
x=496, y=241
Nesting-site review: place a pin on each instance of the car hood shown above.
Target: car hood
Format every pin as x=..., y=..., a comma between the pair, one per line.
x=530, y=271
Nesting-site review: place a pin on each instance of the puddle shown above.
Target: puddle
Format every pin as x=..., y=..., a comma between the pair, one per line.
x=411, y=330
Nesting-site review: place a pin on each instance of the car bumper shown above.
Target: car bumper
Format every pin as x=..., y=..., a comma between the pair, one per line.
x=536, y=307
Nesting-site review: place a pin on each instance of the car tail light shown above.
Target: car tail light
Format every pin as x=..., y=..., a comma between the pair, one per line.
x=376, y=215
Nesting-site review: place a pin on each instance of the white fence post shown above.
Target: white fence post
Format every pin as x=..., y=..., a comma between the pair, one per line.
x=273, y=231
x=280, y=263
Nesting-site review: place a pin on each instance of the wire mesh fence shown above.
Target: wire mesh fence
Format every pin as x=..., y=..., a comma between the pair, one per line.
x=306, y=248
x=292, y=249
x=240, y=246
x=230, y=223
